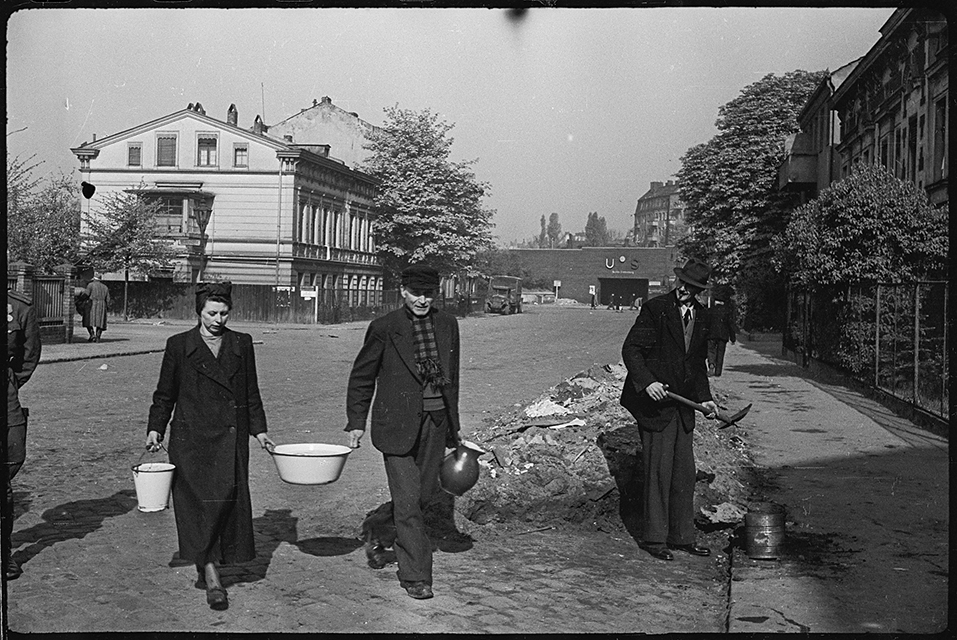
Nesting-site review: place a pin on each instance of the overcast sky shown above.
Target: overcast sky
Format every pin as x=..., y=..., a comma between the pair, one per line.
x=566, y=110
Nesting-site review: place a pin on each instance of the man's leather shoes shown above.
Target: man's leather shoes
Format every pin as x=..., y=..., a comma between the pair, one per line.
x=691, y=548
x=420, y=590
x=375, y=553
x=12, y=570
x=216, y=598
x=659, y=551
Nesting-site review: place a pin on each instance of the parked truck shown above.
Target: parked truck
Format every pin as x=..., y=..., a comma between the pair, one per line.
x=504, y=295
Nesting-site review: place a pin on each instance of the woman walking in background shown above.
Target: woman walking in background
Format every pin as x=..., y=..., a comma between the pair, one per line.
x=208, y=385
x=96, y=306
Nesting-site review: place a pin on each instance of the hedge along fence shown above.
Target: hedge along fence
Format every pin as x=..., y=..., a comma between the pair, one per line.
x=254, y=303
x=893, y=337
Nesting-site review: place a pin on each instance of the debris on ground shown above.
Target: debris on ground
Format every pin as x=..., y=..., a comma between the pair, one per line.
x=573, y=455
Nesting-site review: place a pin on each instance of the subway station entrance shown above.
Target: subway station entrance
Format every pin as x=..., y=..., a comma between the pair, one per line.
x=625, y=290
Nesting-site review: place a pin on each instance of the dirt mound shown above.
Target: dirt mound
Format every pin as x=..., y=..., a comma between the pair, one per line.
x=574, y=456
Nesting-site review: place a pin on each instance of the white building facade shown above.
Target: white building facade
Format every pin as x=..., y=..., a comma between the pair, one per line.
x=242, y=205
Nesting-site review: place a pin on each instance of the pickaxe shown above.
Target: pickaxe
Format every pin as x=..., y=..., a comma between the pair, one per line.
x=721, y=415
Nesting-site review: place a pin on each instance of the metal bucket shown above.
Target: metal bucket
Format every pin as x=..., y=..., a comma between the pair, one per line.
x=153, y=481
x=764, y=531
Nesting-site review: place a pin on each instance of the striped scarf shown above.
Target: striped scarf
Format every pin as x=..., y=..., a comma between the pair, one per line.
x=427, y=351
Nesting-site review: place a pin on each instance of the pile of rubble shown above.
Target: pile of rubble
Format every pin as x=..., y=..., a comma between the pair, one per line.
x=574, y=456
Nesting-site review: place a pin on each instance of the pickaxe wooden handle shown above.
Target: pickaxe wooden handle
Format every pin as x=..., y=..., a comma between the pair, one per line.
x=722, y=416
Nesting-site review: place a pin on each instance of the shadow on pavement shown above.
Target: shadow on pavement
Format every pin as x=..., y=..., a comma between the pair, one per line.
x=865, y=539
x=270, y=529
x=330, y=546
x=70, y=520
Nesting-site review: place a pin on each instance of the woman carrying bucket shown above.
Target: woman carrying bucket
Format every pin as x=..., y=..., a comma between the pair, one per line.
x=208, y=386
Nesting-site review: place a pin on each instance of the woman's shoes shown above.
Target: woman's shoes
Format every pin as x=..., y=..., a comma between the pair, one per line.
x=216, y=598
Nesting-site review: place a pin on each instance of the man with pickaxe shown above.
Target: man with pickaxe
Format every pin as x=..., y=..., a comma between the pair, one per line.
x=665, y=354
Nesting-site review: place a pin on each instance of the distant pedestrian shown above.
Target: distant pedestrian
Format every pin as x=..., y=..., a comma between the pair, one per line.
x=81, y=301
x=23, y=355
x=722, y=328
x=407, y=371
x=99, y=303
x=665, y=351
x=593, y=301
x=636, y=304
x=208, y=385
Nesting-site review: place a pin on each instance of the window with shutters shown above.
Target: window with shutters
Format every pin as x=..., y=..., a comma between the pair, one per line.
x=134, y=154
x=206, y=151
x=240, y=155
x=166, y=150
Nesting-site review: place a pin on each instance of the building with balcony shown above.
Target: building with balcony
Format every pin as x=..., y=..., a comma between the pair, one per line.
x=245, y=205
x=893, y=107
x=659, y=216
x=811, y=161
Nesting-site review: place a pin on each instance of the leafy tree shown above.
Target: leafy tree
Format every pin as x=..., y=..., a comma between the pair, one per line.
x=869, y=226
x=493, y=261
x=43, y=217
x=429, y=208
x=543, y=236
x=728, y=185
x=554, y=230
x=596, y=231
x=122, y=235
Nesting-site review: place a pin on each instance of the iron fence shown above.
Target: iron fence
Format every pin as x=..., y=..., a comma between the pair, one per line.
x=893, y=337
x=255, y=303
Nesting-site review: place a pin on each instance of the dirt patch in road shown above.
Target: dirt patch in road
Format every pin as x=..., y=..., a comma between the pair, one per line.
x=573, y=457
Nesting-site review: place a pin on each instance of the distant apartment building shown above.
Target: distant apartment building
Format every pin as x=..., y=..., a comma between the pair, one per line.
x=246, y=204
x=891, y=109
x=659, y=216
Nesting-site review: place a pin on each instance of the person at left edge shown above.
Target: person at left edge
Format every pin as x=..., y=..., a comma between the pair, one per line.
x=23, y=355
x=208, y=385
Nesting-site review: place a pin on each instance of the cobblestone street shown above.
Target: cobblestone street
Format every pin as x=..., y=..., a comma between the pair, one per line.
x=94, y=563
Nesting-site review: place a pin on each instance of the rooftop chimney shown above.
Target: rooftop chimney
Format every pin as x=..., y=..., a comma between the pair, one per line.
x=287, y=137
x=232, y=116
x=326, y=100
x=258, y=126
x=656, y=185
x=199, y=109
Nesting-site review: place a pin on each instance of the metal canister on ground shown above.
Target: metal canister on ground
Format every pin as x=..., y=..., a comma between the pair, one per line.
x=764, y=531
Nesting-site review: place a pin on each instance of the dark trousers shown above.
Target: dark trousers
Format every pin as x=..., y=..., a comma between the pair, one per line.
x=716, y=350
x=15, y=455
x=413, y=481
x=667, y=514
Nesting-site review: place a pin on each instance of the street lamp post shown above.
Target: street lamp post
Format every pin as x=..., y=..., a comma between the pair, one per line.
x=203, y=210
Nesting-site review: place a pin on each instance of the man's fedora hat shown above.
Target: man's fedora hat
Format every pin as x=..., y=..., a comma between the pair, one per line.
x=695, y=272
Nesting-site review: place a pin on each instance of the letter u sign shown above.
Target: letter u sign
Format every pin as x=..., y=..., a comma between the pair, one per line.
x=609, y=263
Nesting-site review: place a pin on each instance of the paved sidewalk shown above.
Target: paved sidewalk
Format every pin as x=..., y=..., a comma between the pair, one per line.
x=867, y=495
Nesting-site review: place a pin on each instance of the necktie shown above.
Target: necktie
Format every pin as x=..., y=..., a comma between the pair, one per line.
x=687, y=317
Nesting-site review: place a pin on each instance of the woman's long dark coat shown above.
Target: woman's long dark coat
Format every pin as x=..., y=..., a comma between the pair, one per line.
x=215, y=407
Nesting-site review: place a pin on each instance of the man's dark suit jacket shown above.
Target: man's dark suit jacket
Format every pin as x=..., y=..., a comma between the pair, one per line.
x=654, y=350
x=386, y=368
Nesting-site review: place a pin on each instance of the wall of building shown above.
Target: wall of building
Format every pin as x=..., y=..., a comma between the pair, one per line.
x=317, y=222
x=578, y=269
x=325, y=123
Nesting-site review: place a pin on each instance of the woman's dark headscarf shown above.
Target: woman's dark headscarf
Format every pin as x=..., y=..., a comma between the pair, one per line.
x=215, y=291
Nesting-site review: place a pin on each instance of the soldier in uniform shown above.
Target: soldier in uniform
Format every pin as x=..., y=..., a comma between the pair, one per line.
x=23, y=354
